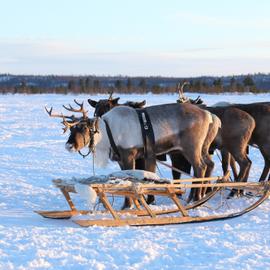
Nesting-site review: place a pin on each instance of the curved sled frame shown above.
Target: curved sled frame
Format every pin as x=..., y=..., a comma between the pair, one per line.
x=67, y=188
x=147, y=216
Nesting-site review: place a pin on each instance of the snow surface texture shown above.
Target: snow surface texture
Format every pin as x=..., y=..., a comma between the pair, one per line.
x=32, y=153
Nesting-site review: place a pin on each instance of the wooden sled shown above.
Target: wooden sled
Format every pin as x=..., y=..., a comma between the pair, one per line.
x=144, y=215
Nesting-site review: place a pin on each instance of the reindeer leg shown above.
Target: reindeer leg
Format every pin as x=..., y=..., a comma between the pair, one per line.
x=199, y=171
x=225, y=160
x=233, y=167
x=127, y=162
x=265, y=171
x=210, y=166
x=244, y=164
x=199, y=168
x=140, y=164
x=150, y=165
x=265, y=150
x=181, y=163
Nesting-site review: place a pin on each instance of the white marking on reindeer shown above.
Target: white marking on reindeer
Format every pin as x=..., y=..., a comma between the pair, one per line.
x=70, y=147
x=127, y=131
x=102, y=146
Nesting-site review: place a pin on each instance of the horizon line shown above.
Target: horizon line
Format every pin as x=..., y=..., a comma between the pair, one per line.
x=132, y=76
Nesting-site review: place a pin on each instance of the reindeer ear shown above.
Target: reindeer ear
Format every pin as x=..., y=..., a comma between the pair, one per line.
x=92, y=102
x=114, y=101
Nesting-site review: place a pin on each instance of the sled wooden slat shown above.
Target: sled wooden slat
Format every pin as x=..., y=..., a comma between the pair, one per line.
x=68, y=199
x=66, y=214
x=197, y=185
x=205, y=179
x=177, y=202
x=106, y=203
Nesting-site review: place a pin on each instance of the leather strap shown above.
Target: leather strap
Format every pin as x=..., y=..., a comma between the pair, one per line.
x=147, y=132
x=113, y=145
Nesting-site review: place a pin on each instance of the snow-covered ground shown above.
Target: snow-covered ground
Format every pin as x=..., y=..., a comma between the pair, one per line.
x=32, y=153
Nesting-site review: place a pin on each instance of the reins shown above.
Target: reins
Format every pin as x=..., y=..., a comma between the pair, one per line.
x=173, y=168
x=91, y=146
x=83, y=155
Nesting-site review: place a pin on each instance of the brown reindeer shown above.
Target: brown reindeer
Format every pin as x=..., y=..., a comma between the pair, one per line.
x=261, y=134
x=104, y=105
x=231, y=140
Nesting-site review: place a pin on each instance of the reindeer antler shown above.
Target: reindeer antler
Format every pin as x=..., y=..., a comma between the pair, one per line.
x=49, y=111
x=68, y=124
x=110, y=93
x=181, y=91
x=81, y=109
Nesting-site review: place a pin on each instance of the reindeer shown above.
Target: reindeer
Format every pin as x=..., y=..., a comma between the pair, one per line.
x=104, y=105
x=232, y=138
x=176, y=127
x=261, y=135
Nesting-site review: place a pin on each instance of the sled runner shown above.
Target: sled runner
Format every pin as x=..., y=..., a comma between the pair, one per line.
x=138, y=189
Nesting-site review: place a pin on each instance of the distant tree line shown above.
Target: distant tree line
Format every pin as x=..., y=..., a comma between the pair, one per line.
x=93, y=85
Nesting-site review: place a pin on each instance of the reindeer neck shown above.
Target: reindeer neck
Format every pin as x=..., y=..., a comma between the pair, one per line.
x=102, y=145
x=101, y=137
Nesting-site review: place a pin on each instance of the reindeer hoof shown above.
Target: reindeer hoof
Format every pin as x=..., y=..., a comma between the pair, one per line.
x=150, y=199
x=235, y=193
x=128, y=204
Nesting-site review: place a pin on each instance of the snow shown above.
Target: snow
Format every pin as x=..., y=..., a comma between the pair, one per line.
x=32, y=153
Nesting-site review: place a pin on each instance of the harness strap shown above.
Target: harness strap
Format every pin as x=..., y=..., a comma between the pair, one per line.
x=147, y=132
x=113, y=145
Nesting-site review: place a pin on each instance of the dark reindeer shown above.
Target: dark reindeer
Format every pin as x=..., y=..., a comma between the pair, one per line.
x=176, y=127
x=104, y=105
x=232, y=139
x=261, y=135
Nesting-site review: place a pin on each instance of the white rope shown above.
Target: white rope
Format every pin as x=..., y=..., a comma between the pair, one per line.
x=93, y=162
x=159, y=171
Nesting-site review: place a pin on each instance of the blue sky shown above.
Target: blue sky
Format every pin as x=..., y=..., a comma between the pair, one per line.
x=167, y=38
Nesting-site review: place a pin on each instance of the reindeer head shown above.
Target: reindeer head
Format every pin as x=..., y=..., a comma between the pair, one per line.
x=103, y=105
x=82, y=129
x=82, y=135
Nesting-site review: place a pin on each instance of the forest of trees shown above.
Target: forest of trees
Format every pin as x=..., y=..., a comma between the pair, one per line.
x=92, y=84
